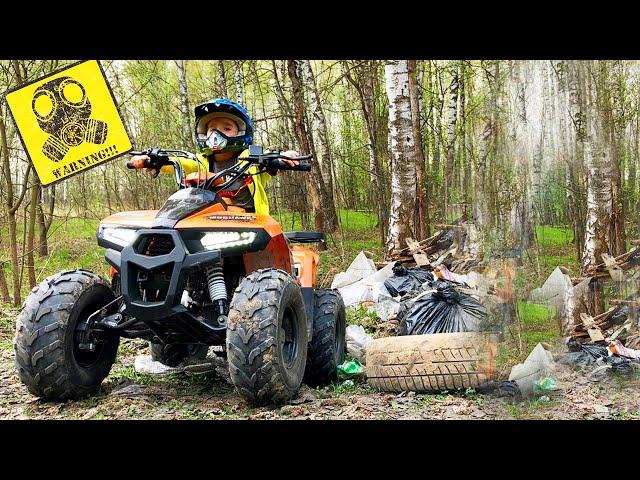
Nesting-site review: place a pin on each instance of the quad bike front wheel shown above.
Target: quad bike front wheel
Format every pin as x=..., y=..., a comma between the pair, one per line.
x=49, y=360
x=328, y=344
x=267, y=337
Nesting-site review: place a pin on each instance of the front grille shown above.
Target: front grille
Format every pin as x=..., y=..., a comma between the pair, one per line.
x=155, y=245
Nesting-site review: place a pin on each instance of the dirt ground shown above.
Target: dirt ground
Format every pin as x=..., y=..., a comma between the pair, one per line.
x=127, y=395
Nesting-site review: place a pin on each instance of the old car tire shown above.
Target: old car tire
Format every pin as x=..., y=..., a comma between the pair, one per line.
x=173, y=354
x=48, y=360
x=267, y=337
x=328, y=345
x=431, y=363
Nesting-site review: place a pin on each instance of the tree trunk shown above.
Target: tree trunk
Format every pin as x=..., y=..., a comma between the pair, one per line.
x=617, y=124
x=451, y=116
x=325, y=161
x=421, y=219
x=239, y=79
x=364, y=83
x=33, y=211
x=313, y=178
x=12, y=208
x=222, y=80
x=403, y=165
x=591, y=131
x=43, y=226
x=4, y=289
x=187, y=132
x=481, y=208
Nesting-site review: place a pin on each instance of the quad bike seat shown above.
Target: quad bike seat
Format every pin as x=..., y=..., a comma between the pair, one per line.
x=305, y=237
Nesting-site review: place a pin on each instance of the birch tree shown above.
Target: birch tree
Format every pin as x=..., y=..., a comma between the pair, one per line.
x=402, y=149
x=185, y=116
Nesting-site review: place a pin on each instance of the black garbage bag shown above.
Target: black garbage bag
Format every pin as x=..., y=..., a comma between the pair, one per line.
x=445, y=241
x=405, y=280
x=591, y=354
x=584, y=354
x=499, y=389
x=446, y=310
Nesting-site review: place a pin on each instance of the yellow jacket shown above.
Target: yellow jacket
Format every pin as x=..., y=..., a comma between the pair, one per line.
x=257, y=188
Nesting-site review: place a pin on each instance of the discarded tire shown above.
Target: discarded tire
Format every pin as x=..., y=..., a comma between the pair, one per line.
x=431, y=363
x=48, y=358
x=267, y=337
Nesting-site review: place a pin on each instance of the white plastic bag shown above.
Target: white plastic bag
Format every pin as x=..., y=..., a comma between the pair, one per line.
x=368, y=289
x=144, y=365
x=357, y=342
x=539, y=364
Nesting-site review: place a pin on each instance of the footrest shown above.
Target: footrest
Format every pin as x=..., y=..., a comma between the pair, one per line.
x=305, y=237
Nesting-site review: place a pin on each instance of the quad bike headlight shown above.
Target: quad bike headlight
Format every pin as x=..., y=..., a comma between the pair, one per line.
x=119, y=236
x=219, y=240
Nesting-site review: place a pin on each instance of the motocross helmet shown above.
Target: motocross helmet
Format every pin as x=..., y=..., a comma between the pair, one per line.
x=218, y=142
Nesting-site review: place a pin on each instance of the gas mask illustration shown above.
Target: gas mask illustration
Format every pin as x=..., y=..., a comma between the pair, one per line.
x=63, y=110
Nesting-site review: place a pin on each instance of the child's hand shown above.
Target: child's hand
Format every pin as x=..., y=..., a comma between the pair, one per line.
x=138, y=161
x=290, y=153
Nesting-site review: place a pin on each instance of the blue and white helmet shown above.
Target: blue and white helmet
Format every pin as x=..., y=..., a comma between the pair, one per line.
x=222, y=107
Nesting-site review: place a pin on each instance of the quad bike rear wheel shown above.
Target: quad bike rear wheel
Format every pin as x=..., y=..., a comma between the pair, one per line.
x=328, y=345
x=173, y=354
x=267, y=337
x=49, y=360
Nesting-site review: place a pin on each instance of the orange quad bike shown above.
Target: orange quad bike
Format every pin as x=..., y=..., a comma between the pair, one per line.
x=199, y=272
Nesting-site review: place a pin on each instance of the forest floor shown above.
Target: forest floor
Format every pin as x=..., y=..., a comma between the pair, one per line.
x=128, y=395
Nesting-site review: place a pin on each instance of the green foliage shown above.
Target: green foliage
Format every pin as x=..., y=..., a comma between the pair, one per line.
x=360, y=316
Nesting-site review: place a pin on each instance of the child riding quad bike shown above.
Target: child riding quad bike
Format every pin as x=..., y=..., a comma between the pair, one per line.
x=197, y=272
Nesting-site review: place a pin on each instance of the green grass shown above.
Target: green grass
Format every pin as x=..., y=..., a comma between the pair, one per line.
x=339, y=388
x=538, y=324
x=72, y=244
x=350, y=220
x=553, y=237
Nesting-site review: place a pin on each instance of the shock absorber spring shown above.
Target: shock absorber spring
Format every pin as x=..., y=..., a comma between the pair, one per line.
x=217, y=290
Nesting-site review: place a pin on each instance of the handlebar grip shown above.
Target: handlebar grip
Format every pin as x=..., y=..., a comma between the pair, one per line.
x=301, y=167
x=148, y=163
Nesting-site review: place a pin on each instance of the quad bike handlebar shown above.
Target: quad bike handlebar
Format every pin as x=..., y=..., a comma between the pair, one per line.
x=159, y=158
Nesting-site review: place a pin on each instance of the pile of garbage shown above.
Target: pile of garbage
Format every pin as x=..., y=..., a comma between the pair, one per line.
x=600, y=359
x=416, y=300
x=455, y=245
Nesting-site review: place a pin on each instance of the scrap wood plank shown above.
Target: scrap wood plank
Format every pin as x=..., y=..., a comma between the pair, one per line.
x=423, y=243
x=606, y=315
x=416, y=250
x=621, y=260
x=592, y=329
x=631, y=303
x=455, y=228
x=612, y=266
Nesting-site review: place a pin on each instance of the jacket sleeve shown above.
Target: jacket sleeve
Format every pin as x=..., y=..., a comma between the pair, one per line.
x=188, y=165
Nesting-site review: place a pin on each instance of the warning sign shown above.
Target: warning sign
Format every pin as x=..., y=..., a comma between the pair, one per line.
x=69, y=121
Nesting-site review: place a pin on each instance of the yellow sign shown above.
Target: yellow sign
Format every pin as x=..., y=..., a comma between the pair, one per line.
x=69, y=121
